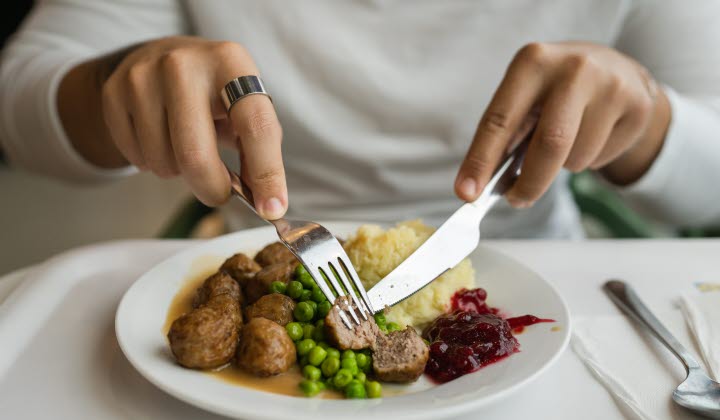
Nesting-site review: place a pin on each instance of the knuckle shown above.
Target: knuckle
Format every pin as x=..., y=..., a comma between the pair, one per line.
x=268, y=178
x=554, y=140
x=476, y=164
x=533, y=53
x=175, y=61
x=260, y=124
x=495, y=121
x=616, y=87
x=226, y=49
x=580, y=64
x=643, y=108
x=193, y=159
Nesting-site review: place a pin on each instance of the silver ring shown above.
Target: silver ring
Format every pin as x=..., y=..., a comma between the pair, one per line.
x=241, y=87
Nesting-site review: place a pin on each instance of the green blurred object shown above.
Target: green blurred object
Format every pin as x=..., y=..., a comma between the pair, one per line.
x=185, y=220
x=606, y=208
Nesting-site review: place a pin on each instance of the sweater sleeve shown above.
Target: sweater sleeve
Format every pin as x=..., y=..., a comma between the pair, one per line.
x=57, y=35
x=677, y=42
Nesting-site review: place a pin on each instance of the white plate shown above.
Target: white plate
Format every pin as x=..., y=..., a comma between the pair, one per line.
x=511, y=287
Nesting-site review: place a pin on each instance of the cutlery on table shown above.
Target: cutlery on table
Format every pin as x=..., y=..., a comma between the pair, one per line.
x=697, y=393
x=452, y=242
x=321, y=254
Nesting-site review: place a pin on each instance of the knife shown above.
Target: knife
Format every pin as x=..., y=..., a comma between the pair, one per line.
x=451, y=243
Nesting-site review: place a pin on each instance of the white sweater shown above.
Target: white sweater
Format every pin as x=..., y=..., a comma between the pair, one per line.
x=379, y=99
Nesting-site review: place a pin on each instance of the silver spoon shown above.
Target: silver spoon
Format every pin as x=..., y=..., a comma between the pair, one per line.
x=698, y=393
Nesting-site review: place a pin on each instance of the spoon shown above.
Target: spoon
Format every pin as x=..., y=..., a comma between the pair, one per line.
x=697, y=393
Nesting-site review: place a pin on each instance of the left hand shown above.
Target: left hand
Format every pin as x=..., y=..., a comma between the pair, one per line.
x=596, y=108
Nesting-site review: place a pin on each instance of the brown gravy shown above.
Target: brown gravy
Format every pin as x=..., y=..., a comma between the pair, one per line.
x=285, y=383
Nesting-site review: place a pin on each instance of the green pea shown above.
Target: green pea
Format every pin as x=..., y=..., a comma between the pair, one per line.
x=351, y=365
x=318, y=296
x=348, y=354
x=314, y=306
x=294, y=289
x=302, y=275
x=361, y=377
x=322, y=344
x=309, y=388
x=311, y=372
x=373, y=389
x=392, y=326
x=368, y=366
x=319, y=333
x=355, y=389
x=316, y=356
x=383, y=328
x=303, y=312
x=294, y=330
x=362, y=360
x=305, y=295
x=304, y=346
x=333, y=352
x=324, y=309
x=277, y=287
x=308, y=330
x=380, y=319
x=330, y=366
x=342, y=378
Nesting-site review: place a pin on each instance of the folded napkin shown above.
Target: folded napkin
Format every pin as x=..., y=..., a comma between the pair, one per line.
x=638, y=371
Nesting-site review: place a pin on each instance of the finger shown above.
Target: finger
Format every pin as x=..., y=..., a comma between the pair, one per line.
x=597, y=124
x=192, y=134
x=151, y=126
x=254, y=120
x=120, y=125
x=557, y=129
x=519, y=90
x=626, y=133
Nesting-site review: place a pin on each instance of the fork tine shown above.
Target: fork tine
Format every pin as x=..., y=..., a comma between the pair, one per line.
x=352, y=274
x=322, y=284
x=351, y=293
x=331, y=278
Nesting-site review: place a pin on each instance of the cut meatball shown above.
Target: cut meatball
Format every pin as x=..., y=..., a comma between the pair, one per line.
x=360, y=337
x=215, y=285
x=259, y=285
x=275, y=307
x=241, y=268
x=265, y=348
x=274, y=253
x=204, y=338
x=399, y=356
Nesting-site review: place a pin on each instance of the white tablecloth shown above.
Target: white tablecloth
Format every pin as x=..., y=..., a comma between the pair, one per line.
x=97, y=382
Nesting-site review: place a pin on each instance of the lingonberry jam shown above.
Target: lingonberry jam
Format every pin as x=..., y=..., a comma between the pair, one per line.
x=471, y=336
x=462, y=342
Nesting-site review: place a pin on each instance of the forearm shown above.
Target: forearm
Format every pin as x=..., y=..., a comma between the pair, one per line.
x=79, y=103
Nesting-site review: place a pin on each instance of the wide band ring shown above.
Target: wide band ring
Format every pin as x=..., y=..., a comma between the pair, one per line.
x=241, y=87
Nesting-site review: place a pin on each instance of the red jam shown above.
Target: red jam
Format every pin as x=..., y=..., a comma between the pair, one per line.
x=471, y=301
x=471, y=336
x=463, y=342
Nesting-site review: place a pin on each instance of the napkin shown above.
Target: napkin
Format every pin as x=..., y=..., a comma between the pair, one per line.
x=638, y=372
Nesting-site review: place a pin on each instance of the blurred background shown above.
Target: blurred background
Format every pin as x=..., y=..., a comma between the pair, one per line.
x=41, y=217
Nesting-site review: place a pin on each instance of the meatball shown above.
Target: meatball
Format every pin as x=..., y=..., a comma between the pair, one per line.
x=204, y=338
x=274, y=253
x=265, y=348
x=275, y=307
x=399, y=356
x=241, y=268
x=229, y=306
x=218, y=284
x=259, y=285
x=360, y=337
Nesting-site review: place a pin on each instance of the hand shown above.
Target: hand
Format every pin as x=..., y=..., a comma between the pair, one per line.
x=595, y=108
x=162, y=109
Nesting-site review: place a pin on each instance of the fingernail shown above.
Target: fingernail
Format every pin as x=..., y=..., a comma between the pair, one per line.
x=518, y=203
x=468, y=187
x=273, y=209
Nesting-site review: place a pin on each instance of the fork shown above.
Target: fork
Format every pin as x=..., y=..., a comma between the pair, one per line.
x=321, y=254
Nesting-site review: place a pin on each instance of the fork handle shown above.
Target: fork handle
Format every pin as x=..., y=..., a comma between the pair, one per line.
x=628, y=301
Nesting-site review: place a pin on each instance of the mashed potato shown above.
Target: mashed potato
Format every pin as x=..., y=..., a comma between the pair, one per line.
x=376, y=252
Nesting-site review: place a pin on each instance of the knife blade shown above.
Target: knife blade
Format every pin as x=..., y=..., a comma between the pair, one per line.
x=450, y=244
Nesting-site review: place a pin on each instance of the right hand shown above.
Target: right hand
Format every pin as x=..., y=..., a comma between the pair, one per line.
x=163, y=110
